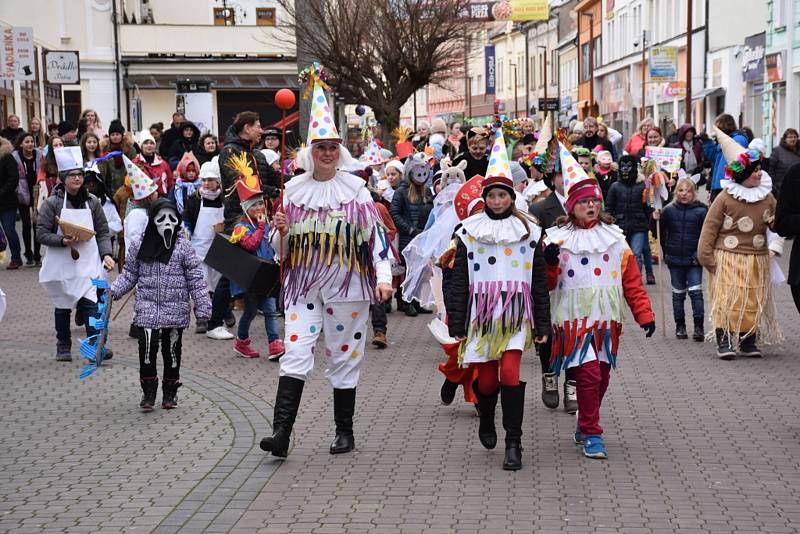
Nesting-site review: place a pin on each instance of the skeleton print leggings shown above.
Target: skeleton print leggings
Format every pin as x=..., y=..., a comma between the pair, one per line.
x=170, y=341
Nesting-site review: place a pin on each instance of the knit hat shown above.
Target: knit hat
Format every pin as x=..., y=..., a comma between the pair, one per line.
x=64, y=127
x=115, y=127
x=468, y=197
x=145, y=135
x=252, y=201
x=210, y=170
x=142, y=185
x=69, y=158
x=396, y=164
x=577, y=184
x=498, y=174
x=741, y=161
x=518, y=173
x=321, y=127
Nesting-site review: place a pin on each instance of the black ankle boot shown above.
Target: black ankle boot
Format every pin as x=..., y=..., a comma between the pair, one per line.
x=169, y=393
x=287, y=401
x=699, y=331
x=680, y=331
x=344, y=405
x=512, y=398
x=149, y=391
x=724, y=349
x=487, y=433
x=748, y=347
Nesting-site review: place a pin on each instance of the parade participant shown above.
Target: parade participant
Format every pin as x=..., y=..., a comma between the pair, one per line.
x=393, y=174
x=190, y=134
x=207, y=148
x=72, y=260
x=166, y=273
x=585, y=159
x=712, y=150
x=9, y=201
x=28, y=159
x=336, y=262
x=93, y=179
x=118, y=140
x=498, y=302
x=272, y=139
x=203, y=218
x=605, y=171
x=155, y=167
x=787, y=224
x=252, y=234
x=681, y=223
x=590, y=272
x=475, y=156
x=187, y=180
x=733, y=248
x=591, y=137
x=407, y=206
x=143, y=191
x=468, y=202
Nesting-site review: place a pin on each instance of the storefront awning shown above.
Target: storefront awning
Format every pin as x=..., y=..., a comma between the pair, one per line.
x=219, y=82
x=708, y=92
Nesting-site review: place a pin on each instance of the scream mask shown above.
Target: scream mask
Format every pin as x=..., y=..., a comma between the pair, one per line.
x=161, y=232
x=166, y=221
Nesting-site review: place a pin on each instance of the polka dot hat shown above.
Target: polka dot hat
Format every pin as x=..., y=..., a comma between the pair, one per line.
x=499, y=170
x=321, y=126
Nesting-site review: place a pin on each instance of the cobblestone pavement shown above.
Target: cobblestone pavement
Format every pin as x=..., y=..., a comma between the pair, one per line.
x=695, y=444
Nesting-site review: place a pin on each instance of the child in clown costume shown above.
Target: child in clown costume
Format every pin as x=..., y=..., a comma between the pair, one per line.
x=499, y=299
x=590, y=270
x=335, y=263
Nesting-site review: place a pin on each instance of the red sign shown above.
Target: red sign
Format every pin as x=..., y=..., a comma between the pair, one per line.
x=775, y=67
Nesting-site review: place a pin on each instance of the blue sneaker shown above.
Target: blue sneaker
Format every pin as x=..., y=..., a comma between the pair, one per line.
x=593, y=447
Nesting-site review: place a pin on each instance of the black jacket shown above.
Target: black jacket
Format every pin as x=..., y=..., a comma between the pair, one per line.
x=591, y=142
x=11, y=133
x=182, y=144
x=787, y=219
x=780, y=161
x=191, y=208
x=547, y=211
x=9, y=176
x=167, y=139
x=626, y=203
x=406, y=214
x=680, y=232
x=203, y=156
x=269, y=177
x=457, y=294
x=474, y=166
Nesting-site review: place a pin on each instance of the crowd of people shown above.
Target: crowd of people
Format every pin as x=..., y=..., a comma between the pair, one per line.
x=510, y=235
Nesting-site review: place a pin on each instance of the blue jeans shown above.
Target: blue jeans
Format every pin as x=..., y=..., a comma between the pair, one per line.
x=8, y=218
x=268, y=306
x=687, y=279
x=63, y=315
x=641, y=250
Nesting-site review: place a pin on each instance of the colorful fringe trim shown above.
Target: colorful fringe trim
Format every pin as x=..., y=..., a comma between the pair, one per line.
x=491, y=330
x=321, y=246
x=573, y=339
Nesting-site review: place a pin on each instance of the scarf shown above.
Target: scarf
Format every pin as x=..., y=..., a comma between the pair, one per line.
x=188, y=188
x=688, y=156
x=210, y=195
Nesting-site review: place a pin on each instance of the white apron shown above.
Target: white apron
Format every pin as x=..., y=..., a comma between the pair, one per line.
x=203, y=236
x=65, y=280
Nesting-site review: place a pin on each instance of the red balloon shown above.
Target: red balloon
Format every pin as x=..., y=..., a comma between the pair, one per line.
x=285, y=99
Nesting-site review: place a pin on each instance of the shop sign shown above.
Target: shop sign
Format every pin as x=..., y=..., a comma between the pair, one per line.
x=62, y=67
x=774, y=64
x=17, y=54
x=675, y=90
x=753, y=57
x=663, y=63
x=516, y=10
x=490, y=73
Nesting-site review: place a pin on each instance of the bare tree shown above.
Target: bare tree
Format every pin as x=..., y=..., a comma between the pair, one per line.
x=379, y=52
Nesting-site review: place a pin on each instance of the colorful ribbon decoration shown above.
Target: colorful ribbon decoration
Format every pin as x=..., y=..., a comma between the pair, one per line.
x=314, y=73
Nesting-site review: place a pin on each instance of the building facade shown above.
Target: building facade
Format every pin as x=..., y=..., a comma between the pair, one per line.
x=781, y=93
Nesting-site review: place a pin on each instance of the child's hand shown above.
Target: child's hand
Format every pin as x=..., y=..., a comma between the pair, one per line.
x=551, y=253
x=261, y=218
x=281, y=223
x=649, y=329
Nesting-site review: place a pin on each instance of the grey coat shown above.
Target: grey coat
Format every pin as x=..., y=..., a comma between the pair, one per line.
x=46, y=226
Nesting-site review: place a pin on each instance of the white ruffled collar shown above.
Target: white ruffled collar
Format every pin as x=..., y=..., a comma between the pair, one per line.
x=585, y=240
x=749, y=194
x=306, y=192
x=498, y=231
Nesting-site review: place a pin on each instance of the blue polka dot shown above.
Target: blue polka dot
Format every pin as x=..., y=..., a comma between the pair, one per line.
x=320, y=98
x=470, y=255
x=463, y=231
x=476, y=267
x=522, y=250
x=323, y=131
x=584, y=261
x=312, y=328
x=492, y=161
x=570, y=273
x=310, y=306
x=339, y=327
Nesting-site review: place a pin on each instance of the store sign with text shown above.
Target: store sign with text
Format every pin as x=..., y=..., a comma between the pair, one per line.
x=753, y=57
x=17, y=54
x=62, y=67
x=516, y=10
x=663, y=63
x=490, y=73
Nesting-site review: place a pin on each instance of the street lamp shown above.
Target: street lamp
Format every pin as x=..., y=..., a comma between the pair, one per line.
x=591, y=59
x=516, y=112
x=544, y=70
x=644, y=51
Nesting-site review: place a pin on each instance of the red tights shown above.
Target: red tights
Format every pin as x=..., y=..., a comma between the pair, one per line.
x=508, y=365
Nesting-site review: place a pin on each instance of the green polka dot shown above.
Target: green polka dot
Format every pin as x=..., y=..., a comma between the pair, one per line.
x=514, y=263
x=481, y=250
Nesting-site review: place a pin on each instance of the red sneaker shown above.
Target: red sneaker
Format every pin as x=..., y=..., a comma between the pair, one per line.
x=276, y=350
x=242, y=348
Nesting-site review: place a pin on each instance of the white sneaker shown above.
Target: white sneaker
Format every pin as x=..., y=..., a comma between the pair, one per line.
x=219, y=333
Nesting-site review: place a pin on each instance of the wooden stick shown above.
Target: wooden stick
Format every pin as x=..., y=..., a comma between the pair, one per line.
x=661, y=279
x=119, y=310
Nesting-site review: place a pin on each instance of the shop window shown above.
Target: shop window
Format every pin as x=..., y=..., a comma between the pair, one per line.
x=265, y=16
x=224, y=17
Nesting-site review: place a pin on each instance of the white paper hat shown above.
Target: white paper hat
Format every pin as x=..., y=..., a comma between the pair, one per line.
x=69, y=158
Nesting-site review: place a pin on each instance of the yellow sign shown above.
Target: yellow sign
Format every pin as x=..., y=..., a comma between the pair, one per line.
x=524, y=10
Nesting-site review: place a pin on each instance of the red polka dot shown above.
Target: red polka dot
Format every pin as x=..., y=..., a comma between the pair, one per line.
x=559, y=270
x=293, y=337
x=344, y=348
x=597, y=271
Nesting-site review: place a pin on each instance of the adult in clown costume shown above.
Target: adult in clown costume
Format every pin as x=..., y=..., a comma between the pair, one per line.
x=499, y=303
x=336, y=262
x=591, y=269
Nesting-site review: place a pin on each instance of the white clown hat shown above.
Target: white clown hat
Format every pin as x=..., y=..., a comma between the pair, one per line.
x=142, y=185
x=321, y=126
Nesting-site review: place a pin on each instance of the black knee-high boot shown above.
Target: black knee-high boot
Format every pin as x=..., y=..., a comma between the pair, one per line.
x=512, y=399
x=344, y=405
x=486, y=407
x=287, y=401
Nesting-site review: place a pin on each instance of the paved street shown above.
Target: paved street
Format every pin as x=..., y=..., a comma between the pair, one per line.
x=695, y=444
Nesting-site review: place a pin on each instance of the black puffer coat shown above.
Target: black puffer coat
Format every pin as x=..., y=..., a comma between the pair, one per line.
x=406, y=214
x=9, y=176
x=680, y=232
x=626, y=203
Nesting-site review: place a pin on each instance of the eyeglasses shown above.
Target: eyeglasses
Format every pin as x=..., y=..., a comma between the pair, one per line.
x=586, y=202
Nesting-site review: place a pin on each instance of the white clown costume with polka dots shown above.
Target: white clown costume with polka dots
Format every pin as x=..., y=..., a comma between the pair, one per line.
x=500, y=264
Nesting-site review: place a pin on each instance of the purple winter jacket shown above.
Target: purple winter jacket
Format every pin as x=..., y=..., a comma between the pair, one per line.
x=163, y=289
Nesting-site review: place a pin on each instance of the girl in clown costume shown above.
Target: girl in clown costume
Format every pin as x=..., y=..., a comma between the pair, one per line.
x=335, y=263
x=591, y=270
x=499, y=298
